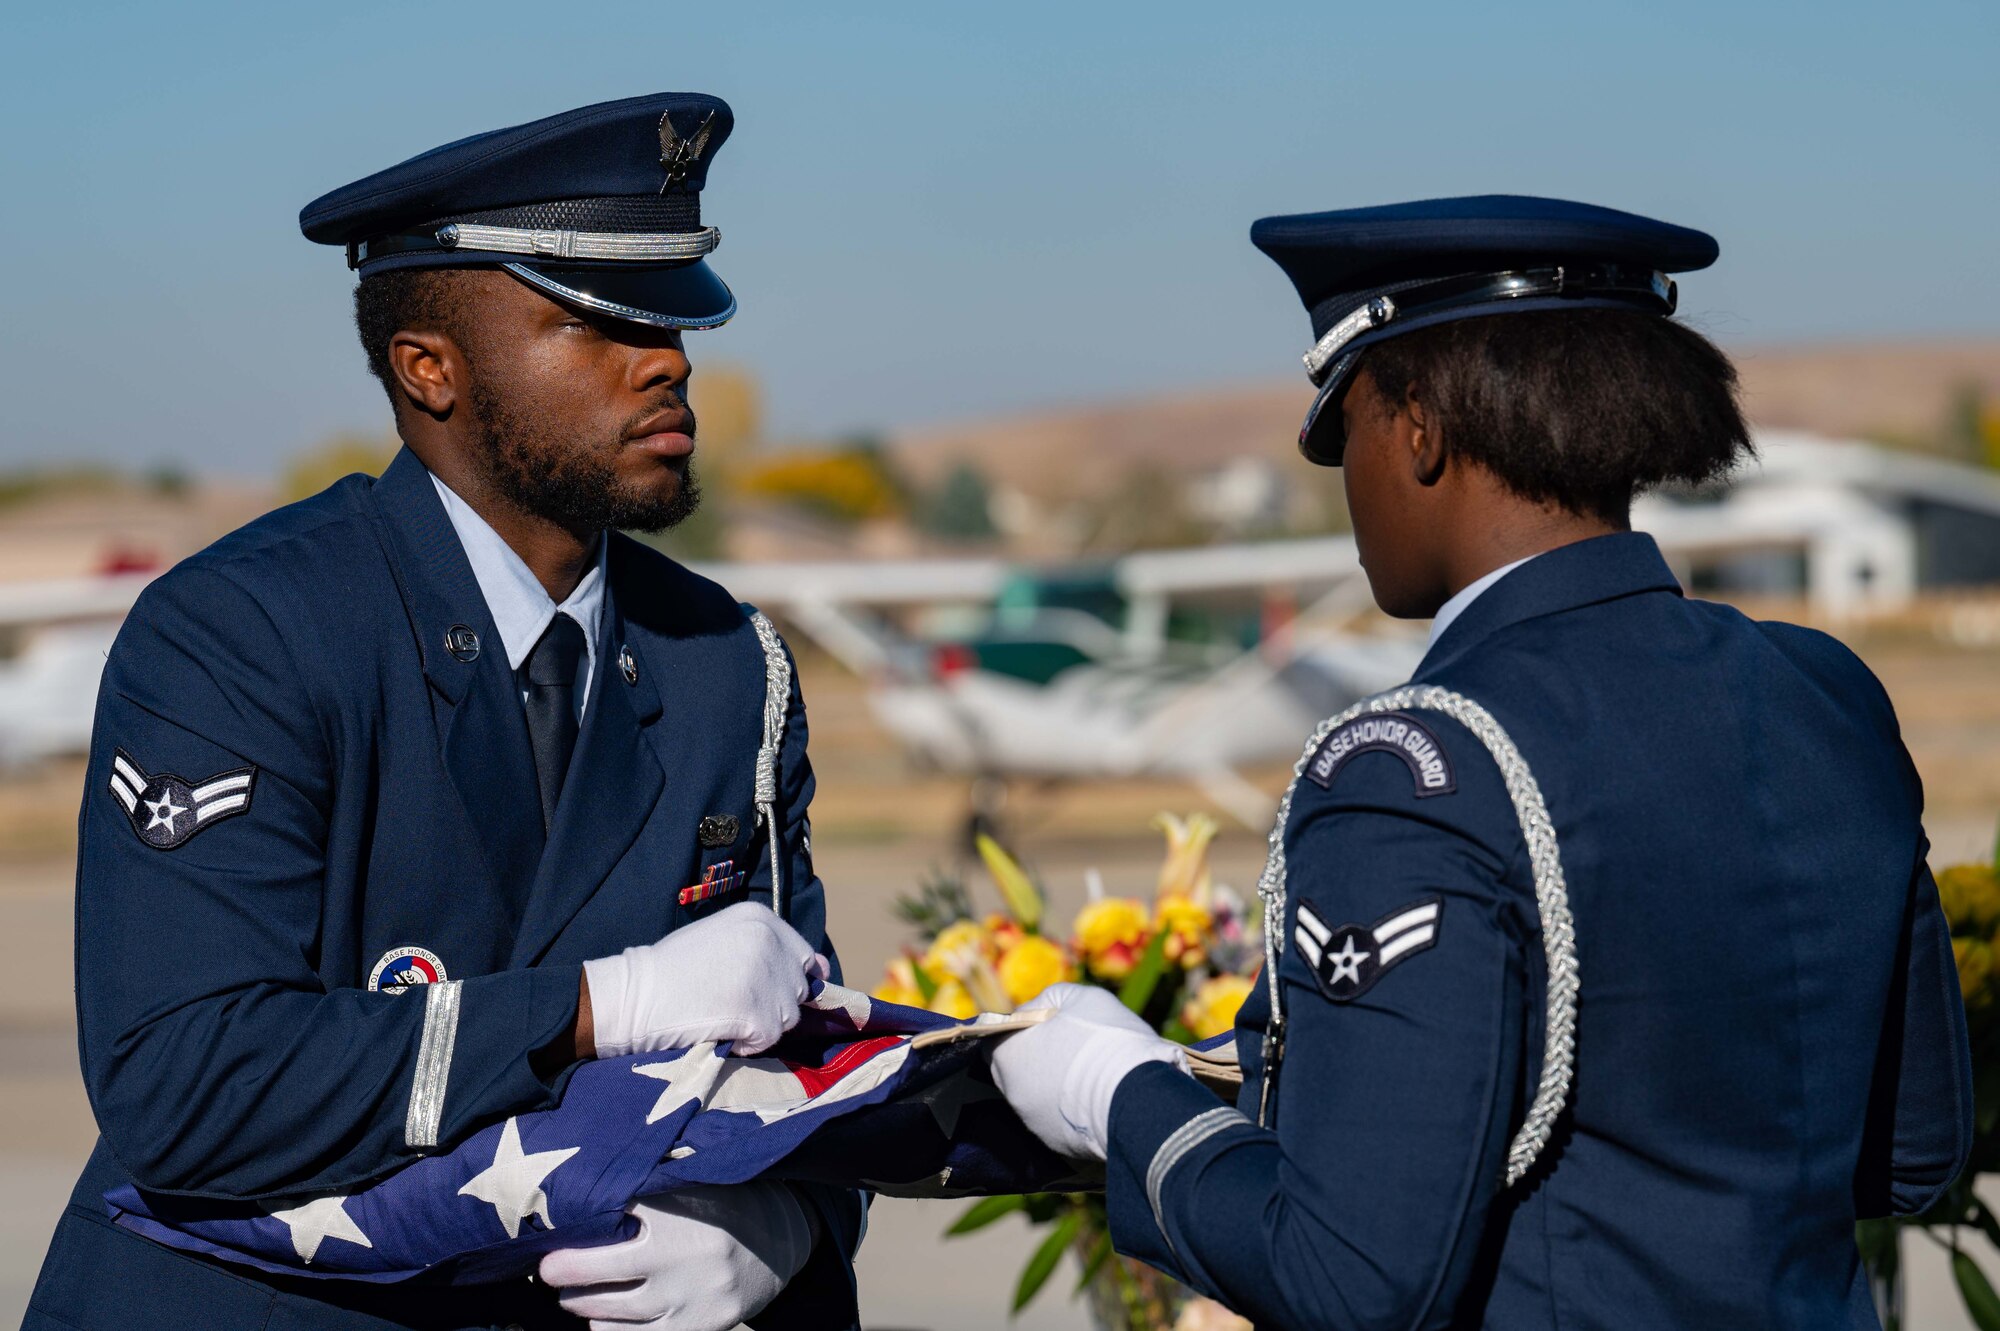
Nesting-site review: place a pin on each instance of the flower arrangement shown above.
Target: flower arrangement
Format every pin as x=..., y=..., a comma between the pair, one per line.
x=1183, y=961
x=1970, y=895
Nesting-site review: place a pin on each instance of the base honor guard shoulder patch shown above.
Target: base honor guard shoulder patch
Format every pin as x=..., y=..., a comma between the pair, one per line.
x=165, y=810
x=1386, y=732
x=1346, y=961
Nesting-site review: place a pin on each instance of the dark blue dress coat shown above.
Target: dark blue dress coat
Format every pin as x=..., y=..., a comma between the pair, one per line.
x=1769, y=1043
x=232, y=1044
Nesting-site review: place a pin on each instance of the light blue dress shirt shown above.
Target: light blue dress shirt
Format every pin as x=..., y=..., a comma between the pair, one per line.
x=520, y=606
x=1467, y=594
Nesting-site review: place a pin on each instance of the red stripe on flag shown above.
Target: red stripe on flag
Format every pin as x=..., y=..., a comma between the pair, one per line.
x=844, y=1061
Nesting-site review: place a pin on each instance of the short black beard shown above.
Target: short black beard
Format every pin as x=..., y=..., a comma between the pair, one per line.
x=569, y=483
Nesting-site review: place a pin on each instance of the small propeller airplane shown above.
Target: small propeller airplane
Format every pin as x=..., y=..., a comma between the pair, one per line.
x=1194, y=663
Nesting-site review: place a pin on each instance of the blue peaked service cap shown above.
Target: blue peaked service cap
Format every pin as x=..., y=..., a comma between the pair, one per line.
x=1370, y=274
x=599, y=207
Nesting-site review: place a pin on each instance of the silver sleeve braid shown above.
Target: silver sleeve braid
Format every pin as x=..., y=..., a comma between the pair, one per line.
x=777, y=699
x=1551, y=904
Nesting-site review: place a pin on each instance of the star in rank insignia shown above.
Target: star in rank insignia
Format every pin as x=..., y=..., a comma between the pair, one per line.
x=1347, y=961
x=165, y=810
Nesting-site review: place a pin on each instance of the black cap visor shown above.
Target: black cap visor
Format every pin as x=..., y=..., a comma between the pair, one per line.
x=682, y=295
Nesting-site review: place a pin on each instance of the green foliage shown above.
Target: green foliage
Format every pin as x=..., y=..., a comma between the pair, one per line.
x=1976, y=1291
x=343, y=455
x=169, y=480
x=939, y=902
x=1043, y=1263
x=1023, y=898
x=985, y=1211
x=30, y=484
x=1137, y=991
x=960, y=509
x=1100, y=1253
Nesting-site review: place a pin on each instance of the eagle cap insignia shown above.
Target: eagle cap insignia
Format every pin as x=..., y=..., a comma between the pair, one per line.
x=678, y=155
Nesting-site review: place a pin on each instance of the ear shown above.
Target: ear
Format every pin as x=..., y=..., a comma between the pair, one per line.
x=1421, y=438
x=430, y=370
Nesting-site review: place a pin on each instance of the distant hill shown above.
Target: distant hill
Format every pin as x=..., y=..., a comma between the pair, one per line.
x=1861, y=389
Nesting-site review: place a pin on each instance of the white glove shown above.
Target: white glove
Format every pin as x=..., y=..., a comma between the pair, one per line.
x=703, y=1260
x=1059, y=1076
x=740, y=974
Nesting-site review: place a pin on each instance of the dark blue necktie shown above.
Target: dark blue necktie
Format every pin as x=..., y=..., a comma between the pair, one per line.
x=548, y=687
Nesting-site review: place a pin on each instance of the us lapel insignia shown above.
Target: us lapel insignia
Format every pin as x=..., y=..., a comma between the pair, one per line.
x=165, y=810
x=1346, y=962
x=628, y=665
x=715, y=882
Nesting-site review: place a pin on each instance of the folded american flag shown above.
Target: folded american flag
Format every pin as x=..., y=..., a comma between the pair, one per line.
x=861, y=1093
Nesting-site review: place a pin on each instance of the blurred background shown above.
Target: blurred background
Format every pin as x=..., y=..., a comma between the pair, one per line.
x=1003, y=434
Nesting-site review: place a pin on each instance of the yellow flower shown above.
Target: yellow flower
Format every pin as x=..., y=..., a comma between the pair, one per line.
x=1030, y=966
x=954, y=941
x=1212, y=1010
x=1004, y=932
x=1110, y=935
x=953, y=1001
x=1975, y=967
x=1188, y=926
x=1970, y=894
x=899, y=984
x=1185, y=870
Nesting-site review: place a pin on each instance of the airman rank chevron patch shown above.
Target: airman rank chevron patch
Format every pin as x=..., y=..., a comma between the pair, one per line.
x=1347, y=961
x=165, y=810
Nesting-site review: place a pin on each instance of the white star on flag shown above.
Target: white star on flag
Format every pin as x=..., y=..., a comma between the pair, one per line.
x=836, y=998
x=318, y=1220
x=164, y=811
x=762, y=1086
x=512, y=1184
x=689, y=1079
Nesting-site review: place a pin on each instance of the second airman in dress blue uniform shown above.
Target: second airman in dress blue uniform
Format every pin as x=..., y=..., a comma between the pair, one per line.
x=1607, y=984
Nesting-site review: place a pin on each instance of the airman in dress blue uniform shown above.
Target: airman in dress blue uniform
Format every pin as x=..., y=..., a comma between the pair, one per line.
x=1606, y=984
x=404, y=798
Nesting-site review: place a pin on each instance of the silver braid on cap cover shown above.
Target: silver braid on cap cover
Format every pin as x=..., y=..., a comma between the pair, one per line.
x=777, y=699
x=1551, y=904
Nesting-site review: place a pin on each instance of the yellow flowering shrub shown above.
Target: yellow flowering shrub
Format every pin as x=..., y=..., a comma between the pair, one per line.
x=1975, y=968
x=1970, y=894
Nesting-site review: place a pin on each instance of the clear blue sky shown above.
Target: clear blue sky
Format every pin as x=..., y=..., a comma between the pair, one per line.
x=934, y=211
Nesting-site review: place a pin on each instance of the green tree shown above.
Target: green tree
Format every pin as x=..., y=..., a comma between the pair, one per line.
x=960, y=508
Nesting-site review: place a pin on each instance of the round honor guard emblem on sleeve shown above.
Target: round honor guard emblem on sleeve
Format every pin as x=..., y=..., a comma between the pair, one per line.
x=401, y=967
x=628, y=665
x=462, y=643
